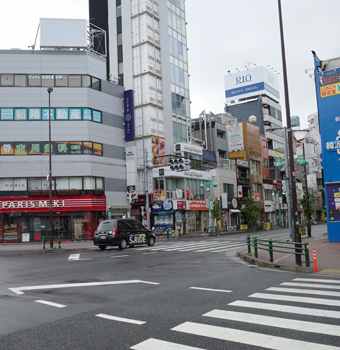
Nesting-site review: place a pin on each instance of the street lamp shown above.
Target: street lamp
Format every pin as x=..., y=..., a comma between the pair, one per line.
x=49, y=176
x=208, y=183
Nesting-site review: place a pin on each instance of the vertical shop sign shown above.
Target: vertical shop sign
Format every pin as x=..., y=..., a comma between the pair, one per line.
x=129, y=116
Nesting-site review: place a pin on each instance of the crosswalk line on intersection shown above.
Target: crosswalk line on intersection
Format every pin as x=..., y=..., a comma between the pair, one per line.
x=316, y=280
x=304, y=291
x=310, y=285
x=156, y=344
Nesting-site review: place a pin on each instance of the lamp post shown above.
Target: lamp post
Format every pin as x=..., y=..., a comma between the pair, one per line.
x=49, y=90
x=208, y=183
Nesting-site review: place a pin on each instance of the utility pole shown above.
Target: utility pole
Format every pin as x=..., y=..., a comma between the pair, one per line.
x=288, y=195
x=309, y=229
x=146, y=188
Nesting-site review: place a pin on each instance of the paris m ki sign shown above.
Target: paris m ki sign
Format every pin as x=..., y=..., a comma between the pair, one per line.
x=327, y=83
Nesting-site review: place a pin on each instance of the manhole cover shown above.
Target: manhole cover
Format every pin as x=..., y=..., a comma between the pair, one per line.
x=82, y=280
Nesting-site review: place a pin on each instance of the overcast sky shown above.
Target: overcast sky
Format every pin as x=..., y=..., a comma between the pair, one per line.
x=222, y=35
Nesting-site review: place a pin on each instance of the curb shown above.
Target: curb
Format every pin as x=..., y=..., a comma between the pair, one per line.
x=275, y=266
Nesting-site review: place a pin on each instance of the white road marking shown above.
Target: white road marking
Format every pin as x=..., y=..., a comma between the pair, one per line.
x=284, y=257
x=296, y=284
x=287, y=308
x=150, y=253
x=212, y=290
x=235, y=245
x=193, y=246
x=74, y=257
x=227, y=249
x=304, y=291
x=316, y=280
x=49, y=303
x=317, y=301
x=155, y=344
x=250, y=338
x=19, y=290
x=296, y=325
x=120, y=319
x=119, y=256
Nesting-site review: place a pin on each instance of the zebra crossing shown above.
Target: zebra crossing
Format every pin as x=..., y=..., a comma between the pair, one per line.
x=214, y=246
x=296, y=313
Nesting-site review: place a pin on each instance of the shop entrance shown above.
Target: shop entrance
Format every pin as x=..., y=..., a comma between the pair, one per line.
x=61, y=225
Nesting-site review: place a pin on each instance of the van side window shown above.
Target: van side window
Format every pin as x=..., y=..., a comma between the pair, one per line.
x=130, y=225
x=139, y=226
x=121, y=226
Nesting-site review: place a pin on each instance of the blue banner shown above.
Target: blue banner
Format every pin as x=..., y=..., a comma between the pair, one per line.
x=129, y=116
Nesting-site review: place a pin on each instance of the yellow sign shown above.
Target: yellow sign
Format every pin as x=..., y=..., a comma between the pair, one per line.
x=243, y=227
x=337, y=195
x=330, y=90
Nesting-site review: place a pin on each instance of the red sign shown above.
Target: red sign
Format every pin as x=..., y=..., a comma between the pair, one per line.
x=141, y=200
x=181, y=205
x=60, y=204
x=198, y=206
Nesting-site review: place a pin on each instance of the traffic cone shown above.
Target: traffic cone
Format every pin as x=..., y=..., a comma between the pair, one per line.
x=315, y=262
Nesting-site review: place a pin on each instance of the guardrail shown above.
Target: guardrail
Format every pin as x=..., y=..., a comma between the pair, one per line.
x=269, y=245
x=51, y=239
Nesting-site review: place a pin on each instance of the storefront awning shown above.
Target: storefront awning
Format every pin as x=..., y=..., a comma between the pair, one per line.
x=120, y=207
x=235, y=211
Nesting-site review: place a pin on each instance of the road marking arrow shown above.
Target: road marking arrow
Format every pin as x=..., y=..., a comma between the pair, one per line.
x=74, y=257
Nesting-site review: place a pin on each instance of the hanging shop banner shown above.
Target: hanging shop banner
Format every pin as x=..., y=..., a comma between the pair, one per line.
x=158, y=150
x=129, y=115
x=299, y=190
x=198, y=205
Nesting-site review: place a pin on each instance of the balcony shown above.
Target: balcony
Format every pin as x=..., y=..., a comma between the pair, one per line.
x=243, y=181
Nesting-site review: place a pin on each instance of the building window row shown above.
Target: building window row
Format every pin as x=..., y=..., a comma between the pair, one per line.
x=47, y=80
x=180, y=132
x=55, y=113
x=57, y=148
x=176, y=21
x=180, y=6
x=58, y=183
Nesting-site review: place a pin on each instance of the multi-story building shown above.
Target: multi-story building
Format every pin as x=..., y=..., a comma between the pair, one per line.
x=87, y=138
x=147, y=52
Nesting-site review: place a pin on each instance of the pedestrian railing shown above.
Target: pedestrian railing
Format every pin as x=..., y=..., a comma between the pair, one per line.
x=51, y=239
x=297, y=248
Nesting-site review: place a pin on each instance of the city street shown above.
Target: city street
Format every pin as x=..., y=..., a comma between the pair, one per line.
x=190, y=294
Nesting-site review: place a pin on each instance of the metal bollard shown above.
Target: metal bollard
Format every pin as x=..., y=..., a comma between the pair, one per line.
x=248, y=243
x=307, y=254
x=59, y=242
x=255, y=246
x=167, y=233
x=43, y=242
x=270, y=250
x=179, y=232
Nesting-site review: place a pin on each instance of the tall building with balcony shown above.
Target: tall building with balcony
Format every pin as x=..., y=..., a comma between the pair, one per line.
x=147, y=53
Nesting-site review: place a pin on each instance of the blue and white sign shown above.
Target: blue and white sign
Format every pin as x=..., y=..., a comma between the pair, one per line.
x=44, y=113
x=129, y=115
x=167, y=205
x=62, y=113
x=251, y=82
x=34, y=114
x=97, y=116
x=7, y=114
x=20, y=114
x=327, y=82
x=74, y=113
x=87, y=114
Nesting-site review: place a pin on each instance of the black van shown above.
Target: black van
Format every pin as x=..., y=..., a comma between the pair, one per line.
x=122, y=232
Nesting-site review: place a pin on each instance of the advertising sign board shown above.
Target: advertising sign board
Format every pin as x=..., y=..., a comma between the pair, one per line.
x=235, y=138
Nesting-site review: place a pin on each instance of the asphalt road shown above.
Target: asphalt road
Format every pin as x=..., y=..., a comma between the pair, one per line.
x=175, y=295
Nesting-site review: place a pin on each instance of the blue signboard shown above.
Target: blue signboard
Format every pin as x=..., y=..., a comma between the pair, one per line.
x=34, y=113
x=7, y=114
x=74, y=113
x=44, y=113
x=129, y=116
x=87, y=114
x=97, y=116
x=327, y=82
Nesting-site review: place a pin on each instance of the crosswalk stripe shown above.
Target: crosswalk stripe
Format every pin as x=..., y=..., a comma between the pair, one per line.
x=318, y=301
x=193, y=247
x=304, y=291
x=179, y=245
x=310, y=285
x=50, y=303
x=249, y=338
x=287, y=308
x=270, y=321
x=212, y=290
x=235, y=246
x=156, y=344
x=227, y=249
x=120, y=319
x=316, y=280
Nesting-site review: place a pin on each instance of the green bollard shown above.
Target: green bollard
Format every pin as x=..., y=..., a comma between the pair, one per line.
x=255, y=247
x=248, y=243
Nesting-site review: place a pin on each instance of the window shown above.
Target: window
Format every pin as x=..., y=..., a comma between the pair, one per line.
x=20, y=184
x=254, y=167
x=34, y=184
x=63, y=183
x=120, y=53
x=89, y=183
x=20, y=80
x=86, y=81
x=95, y=84
x=76, y=183
x=61, y=80
x=220, y=134
x=222, y=154
x=47, y=80
x=264, y=143
x=229, y=189
x=99, y=183
x=74, y=80
x=34, y=80
x=6, y=79
x=265, y=162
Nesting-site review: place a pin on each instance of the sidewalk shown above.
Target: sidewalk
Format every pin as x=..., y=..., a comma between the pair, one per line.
x=327, y=257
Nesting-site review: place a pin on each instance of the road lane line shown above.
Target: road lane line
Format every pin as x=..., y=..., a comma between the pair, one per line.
x=212, y=290
x=119, y=256
x=316, y=280
x=150, y=253
x=156, y=344
x=317, y=301
x=309, y=285
x=19, y=290
x=49, y=303
x=120, y=319
x=287, y=308
x=74, y=257
x=285, y=323
x=227, y=249
x=304, y=291
x=249, y=338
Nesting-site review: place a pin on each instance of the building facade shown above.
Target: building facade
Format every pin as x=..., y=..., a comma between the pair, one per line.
x=87, y=138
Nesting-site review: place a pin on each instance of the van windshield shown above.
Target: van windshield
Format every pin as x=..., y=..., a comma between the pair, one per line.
x=107, y=226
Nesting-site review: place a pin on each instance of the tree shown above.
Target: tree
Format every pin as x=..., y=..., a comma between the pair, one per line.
x=311, y=206
x=251, y=210
x=216, y=211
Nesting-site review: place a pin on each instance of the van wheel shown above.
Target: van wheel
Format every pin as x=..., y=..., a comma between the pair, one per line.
x=122, y=244
x=151, y=241
x=102, y=247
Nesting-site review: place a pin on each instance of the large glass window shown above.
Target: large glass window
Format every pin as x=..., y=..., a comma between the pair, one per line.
x=95, y=84
x=229, y=189
x=61, y=80
x=20, y=80
x=6, y=79
x=99, y=183
x=76, y=183
x=47, y=80
x=86, y=80
x=89, y=183
x=74, y=80
x=34, y=80
x=34, y=184
x=63, y=183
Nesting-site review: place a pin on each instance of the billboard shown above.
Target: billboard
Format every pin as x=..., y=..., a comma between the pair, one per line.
x=129, y=115
x=68, y=33
x=252, y=82
x=235, y=138
x=327, y=84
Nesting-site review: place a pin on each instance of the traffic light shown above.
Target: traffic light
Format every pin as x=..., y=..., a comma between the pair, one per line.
x=180, y=164
x=131, y=196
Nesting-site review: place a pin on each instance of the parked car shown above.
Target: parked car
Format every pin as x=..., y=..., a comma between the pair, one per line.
x=122, y=233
